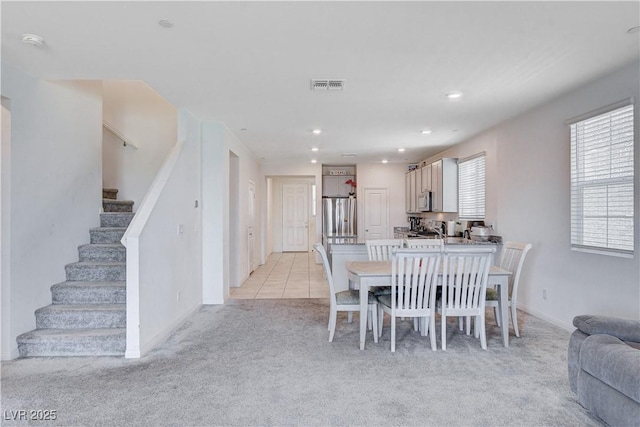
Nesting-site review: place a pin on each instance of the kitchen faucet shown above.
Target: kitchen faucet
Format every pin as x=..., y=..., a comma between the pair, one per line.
x=439, y=230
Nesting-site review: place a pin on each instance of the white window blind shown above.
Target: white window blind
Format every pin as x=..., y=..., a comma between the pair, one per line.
x=471, y=187
x=602, y=182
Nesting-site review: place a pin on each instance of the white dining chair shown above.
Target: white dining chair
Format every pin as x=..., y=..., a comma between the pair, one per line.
x=382, y=249
x=465, y=271
x=424, y=243
x=348, y=301
x=512, y=259
x=414, y=274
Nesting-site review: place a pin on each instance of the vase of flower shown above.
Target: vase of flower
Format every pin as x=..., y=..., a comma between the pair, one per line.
x=353, y=185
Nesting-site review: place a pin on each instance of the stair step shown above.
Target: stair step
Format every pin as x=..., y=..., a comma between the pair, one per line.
x=106, y=234
x=106, y=252
x=110, y=193
x=81, y=316
x=117, y=205
x=73, y=342
x=96, y=271
x=83, y=292
x=116, y=219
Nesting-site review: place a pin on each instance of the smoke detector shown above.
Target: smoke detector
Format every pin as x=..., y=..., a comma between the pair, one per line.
x=327, y=85
x=33, y=39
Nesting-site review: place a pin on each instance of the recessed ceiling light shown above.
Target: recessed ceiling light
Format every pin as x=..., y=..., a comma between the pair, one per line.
x=454, y=95
x=314, y=149
x=425, y=131
x=385, y=161
x=633, y=30
x=314, y=161
x=165, y=23
x=401, y=150
x=316, y=131
x=33, y=39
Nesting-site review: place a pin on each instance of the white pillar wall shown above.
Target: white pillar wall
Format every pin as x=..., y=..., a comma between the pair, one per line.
x=217, y=142
x=55, y=188
x=215, y=287
x=8, y=348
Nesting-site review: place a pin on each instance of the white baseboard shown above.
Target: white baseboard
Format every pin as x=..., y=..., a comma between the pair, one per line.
x=10, y=355
x=213, y=301
x=547, y=318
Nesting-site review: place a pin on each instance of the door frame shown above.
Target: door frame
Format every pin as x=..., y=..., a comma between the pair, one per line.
x=364, y=209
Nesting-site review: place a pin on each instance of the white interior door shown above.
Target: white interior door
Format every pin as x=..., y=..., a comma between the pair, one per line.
x=376, y=213
x=295, y=217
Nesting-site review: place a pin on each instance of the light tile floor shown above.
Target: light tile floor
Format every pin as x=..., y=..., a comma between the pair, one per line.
x=285, y=275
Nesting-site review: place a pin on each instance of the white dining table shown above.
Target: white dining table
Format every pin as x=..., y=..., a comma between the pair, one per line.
x=365, y=274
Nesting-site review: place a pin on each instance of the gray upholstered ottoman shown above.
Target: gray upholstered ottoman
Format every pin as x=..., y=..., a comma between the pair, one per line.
x=604, y=368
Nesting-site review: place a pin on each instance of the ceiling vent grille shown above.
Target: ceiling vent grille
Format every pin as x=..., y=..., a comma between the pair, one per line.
x=349, y=155
x=327, y=85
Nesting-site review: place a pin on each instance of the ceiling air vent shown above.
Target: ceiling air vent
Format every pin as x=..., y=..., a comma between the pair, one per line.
x=349, y=155
x=327, y=85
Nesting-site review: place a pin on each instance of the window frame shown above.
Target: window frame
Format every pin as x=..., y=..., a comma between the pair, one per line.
x=483, y=186
x=578, y=185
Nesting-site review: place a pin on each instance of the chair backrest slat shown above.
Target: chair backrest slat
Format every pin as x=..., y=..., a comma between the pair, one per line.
x=512, y=259
x=464, y=277
x=413, y=279
x=327, y=269
x=382, y=249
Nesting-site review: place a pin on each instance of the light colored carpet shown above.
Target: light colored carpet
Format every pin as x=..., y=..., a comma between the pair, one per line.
x=268, y=362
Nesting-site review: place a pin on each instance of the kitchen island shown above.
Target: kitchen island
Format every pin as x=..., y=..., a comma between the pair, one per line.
x=339, y=254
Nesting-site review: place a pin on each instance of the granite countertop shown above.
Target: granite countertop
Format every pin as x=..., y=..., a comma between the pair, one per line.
x=493, y=240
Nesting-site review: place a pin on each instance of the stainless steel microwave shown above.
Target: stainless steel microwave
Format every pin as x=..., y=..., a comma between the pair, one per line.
x=424, y=202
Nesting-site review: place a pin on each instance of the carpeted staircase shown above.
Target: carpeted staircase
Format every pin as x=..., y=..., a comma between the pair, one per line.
x=87, y=316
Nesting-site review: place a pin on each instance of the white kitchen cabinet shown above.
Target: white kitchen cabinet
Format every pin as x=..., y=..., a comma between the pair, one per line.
x=407, y=192
x=336, y=186
x=425, y=179
x=444, y=185
x=411, y=195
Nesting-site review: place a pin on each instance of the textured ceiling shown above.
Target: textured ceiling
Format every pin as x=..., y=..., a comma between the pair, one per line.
x=249, y=64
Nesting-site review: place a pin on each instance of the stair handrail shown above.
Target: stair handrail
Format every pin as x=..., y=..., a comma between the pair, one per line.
x=151, y=198
x=126, y=142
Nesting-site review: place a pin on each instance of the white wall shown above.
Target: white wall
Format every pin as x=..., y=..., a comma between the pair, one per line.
x=528, y=190
x=137, y=112
x=534, y=155
x=390, y=176
x=56, y=179
x=170, y=262
x=7, y=346
x=250, y=170
x=217, y=142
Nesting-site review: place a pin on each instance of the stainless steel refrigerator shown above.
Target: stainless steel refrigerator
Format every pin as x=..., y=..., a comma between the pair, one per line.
x=339, y=219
